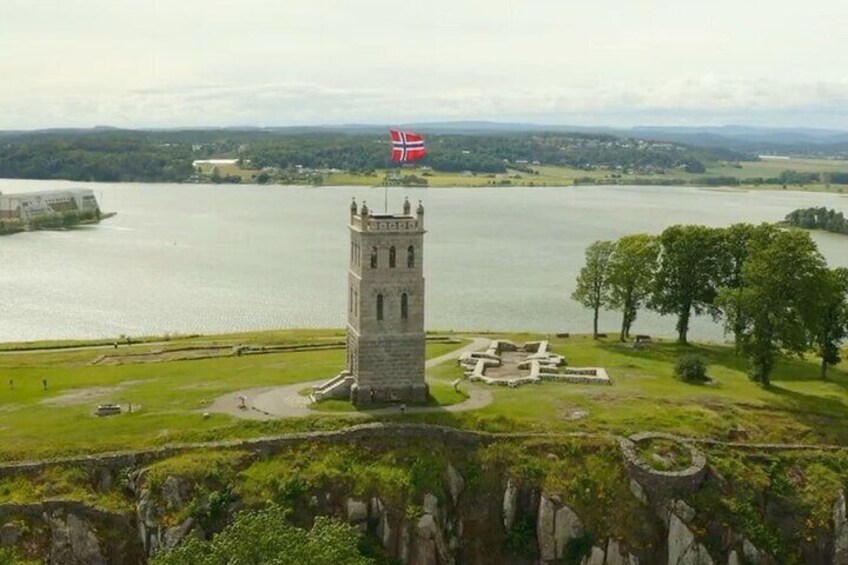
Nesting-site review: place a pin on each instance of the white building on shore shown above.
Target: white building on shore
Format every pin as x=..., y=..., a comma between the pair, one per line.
x=27, y=206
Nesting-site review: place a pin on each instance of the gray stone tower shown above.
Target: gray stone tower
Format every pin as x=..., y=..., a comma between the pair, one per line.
x=385, y=320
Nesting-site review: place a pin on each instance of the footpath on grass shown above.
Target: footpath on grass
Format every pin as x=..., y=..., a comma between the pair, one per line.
x=268, y=403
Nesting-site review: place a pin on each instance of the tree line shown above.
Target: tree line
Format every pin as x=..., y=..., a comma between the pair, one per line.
x=818, y=219
x=167, y=156
x=771, y=287
x=93, y=158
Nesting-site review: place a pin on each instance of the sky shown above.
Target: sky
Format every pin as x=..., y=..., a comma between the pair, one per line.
x=192, y=63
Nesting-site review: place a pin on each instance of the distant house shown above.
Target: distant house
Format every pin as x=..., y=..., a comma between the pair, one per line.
x=213, y=162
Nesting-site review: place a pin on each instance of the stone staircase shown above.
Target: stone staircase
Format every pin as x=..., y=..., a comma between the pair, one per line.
x=337, y=387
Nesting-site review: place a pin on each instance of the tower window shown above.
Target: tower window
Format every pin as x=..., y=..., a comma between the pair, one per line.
x=379, y=306
x=410, y=256
x=404, y=306
x=373, y=257
x=392, y=257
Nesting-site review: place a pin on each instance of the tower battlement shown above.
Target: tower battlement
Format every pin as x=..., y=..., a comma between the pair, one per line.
x=362, y=219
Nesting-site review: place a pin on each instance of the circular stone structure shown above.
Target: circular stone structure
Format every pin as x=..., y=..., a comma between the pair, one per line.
x=664, y=484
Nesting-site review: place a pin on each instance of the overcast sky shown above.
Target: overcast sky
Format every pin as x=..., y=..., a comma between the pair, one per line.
x=153, y=63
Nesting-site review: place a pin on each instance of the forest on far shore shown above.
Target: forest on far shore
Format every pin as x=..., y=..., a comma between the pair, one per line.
x=167, y=156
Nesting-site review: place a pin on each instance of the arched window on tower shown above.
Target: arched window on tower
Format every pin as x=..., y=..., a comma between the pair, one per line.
x=379, y=306
x=373, y=257
x=392, y=257
x=404, y=306
x=410, y=256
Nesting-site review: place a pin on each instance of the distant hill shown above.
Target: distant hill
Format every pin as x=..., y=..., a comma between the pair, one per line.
x=738, y=137
x=748, y=139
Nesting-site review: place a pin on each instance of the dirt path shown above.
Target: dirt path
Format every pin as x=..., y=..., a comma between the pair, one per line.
x=268, y=403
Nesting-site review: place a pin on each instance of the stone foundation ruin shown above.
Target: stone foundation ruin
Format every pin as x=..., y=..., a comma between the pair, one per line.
x=506, y=364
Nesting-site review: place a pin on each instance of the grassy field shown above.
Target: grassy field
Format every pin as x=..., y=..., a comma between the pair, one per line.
x=169, y=397
x=799, y=407
x=566, y=176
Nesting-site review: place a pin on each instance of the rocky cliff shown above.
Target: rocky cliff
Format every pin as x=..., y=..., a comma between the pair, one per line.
x=422, y=498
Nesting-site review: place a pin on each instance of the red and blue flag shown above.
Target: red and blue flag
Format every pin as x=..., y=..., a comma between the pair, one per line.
x=407, y=146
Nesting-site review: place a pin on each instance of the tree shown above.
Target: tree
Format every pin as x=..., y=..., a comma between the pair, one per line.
x=692, y=165
x=831, y=327
x=592, y=283
x=687, y=279
x=782, y=279
x=267, y=537
x=736, y=241
x=631, y=271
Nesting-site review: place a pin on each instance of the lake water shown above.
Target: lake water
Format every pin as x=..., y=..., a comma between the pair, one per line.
x=195, y=258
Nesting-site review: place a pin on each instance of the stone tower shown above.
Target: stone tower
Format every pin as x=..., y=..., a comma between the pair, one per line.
x=385, y=320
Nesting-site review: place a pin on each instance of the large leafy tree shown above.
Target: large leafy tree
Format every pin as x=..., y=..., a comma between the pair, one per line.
x=688, y=276
x=267, y=537
x=779, y=300
x=830, y=327
x=593, y=281
x=631, y=271
x=736, y=241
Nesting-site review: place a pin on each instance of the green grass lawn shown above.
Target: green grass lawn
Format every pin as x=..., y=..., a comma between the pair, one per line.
x=169, y=397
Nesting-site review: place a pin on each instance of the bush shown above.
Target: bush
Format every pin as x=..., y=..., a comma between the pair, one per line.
x=691, y=369
x=266, y=536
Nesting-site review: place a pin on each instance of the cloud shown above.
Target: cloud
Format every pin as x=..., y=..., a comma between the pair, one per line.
x=709, y=99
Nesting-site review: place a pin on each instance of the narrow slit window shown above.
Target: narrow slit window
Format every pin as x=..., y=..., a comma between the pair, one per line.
x=379, y=306
x=404, y=306
x=410, y=256
x=373, y=257
x=392, y=257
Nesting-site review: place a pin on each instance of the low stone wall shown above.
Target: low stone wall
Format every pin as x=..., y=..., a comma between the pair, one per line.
x=112, y=462
x=35, y=511
x=664, y=484
x=107, y=467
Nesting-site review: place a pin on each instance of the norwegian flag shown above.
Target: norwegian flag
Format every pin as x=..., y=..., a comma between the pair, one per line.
x=407, y=146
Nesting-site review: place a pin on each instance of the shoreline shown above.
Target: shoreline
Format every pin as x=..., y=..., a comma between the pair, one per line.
x=804, y=189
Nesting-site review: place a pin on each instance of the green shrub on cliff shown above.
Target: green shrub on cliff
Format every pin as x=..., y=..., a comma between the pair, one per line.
x=11, y=557
x=266, y=536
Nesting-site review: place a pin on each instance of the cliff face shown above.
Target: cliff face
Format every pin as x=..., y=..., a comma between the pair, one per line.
x=422, y=501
